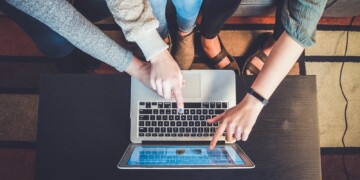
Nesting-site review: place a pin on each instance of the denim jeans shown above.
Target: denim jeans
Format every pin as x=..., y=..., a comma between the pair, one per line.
x=186, y=14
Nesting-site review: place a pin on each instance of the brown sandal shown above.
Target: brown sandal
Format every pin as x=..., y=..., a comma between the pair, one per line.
x=259, y=54
x=233, y=65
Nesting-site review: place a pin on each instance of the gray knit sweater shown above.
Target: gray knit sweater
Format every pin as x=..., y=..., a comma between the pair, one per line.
x=133, y=16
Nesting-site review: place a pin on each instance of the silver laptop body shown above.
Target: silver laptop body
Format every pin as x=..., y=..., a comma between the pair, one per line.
x=207, y=87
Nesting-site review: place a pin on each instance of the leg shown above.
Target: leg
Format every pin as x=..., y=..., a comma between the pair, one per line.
x=48, y=41
x=159, y=7
x=93, y=10
x=268, y=43
x=215, y=13
x=186, y=15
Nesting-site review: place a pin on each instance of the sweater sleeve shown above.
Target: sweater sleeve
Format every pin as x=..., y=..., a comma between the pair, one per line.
x=136, y=19
x=64, y=19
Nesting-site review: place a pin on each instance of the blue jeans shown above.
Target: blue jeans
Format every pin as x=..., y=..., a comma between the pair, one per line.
x=186, y=14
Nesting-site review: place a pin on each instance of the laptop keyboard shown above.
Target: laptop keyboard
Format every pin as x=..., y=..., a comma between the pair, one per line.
x=161, y=119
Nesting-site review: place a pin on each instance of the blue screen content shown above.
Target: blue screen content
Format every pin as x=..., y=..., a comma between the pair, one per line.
x=184, y=155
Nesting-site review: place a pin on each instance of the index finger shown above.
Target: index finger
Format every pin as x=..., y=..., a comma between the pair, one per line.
x=179, y=99
x=217, y=135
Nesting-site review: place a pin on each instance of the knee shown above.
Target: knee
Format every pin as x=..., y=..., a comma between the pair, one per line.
x=188, y=9
x=55, y=47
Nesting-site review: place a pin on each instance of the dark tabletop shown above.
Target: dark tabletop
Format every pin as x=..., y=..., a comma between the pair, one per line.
x=84, y=129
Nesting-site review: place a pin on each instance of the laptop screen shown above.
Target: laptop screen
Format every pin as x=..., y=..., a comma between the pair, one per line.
x=180, y=155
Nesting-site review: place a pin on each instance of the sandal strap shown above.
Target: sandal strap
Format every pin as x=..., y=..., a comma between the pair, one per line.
x=220, y=56
x=253, y=69
x=233, y=65
x=261, y=55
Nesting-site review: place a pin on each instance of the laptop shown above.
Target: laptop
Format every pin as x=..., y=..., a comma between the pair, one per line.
x=163, y=139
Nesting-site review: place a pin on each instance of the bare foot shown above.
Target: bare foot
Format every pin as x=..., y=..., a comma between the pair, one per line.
x=212, y=48
x=266, y=50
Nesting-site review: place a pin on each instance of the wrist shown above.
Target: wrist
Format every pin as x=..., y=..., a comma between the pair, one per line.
x=135, y=66
x=252, y=102
x=258, y=96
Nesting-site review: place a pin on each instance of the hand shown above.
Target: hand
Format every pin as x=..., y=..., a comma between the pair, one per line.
x=166, y=78
x=140, y=70
x=237, y=121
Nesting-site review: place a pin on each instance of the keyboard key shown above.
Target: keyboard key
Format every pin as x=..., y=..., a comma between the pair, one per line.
x=203, y=123
x=185, y=123
x=172, y=123
x=166, y=123
x=153, y=123
x=202, y=117
x=173, y=105
x=167, y=105
x=157, y=129
x=199, y=135
x=142, y=129
x=173, y=135
x=197, y=123
x=177, y=117
x=154, y=103
x=145, y=111
x=186, y=135
x=205, y=105
x=205, y=111
x=147, y=134
x=162, y=111
x=175, y=130
x=141, y=123
x=205, y=134
x=183, y=117
x=160, y=123
x=192, y=105
x=152, y=117
x=158, y=117
x=169, y=130
x=194, y=129
x=219, y=111
x=151, y=129
x=188, y=129
x=224, y=105
x=148, y=105
x=200, y=130
x=142, y=103
x=189, y=117
x=174, y=111
x=206, y=129
x=162, y=129
x=171, y=117
x=160, y=105
x=164, y=117
x=212, y=105
x=208, y=124
x=178, y=123
x=211, y=111
x=212, y=129
x=192, y=111
x=218, y=104
x=144, y=117
x=186, y=111
x=182, y=129
x=191, y=123
x=141, y=134
x=147, y=123
x=156, y=111
x=153, y=134
x=207, y=117
x=196, y=118
x=180, y=135
x=198, y=111
x=168, y=111
x=161, y=135
x=167, y=135
x=193, y=135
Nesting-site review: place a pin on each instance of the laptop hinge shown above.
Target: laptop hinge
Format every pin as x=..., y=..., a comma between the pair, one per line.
x=181, y=142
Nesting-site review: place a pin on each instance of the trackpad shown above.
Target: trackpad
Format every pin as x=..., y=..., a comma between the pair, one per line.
x=192, y=85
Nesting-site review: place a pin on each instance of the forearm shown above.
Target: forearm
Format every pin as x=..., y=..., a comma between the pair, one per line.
x=283, y=56
x=64, y=19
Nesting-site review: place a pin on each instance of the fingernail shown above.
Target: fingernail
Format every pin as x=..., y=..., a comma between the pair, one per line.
x=181, y=110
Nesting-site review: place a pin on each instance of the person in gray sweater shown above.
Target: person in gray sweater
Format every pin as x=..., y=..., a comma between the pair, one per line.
x=138, y=24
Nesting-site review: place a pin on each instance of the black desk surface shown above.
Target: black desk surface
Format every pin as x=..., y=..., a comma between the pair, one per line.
x=84, y=124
